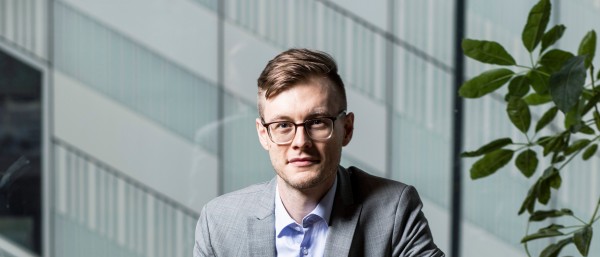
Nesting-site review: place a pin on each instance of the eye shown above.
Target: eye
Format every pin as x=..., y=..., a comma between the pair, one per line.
x=316, y=123
x=281, y=126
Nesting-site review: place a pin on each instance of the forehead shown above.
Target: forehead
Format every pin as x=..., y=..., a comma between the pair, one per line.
x=315, y=96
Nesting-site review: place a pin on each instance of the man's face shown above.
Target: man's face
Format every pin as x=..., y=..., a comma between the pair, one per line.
x=305, y=163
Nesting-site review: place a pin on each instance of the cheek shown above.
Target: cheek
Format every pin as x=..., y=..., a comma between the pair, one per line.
x=277, y=155
x=332, y=152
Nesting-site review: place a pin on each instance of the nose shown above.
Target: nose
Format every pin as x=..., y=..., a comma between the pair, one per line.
x=301, y=139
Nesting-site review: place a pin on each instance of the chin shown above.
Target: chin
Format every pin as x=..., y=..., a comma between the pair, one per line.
x=303, y=184
x=306, y=179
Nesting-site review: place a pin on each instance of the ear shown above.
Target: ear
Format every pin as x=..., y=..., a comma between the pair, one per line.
x=348, y=128
x=263, y=136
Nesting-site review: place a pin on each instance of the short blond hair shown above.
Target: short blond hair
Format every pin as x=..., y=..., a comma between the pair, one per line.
x=295, y=66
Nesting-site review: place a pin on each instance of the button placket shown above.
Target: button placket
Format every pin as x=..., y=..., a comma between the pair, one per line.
x=304, y=251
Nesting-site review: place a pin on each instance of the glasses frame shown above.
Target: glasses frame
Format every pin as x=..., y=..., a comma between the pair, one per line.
x=332, y=118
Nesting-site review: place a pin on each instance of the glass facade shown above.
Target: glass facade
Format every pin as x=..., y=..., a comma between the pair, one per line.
x=20, y=153
x=151, y=110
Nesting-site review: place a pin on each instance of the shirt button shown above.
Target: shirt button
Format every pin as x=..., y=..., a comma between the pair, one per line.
x=297, y=228
x=304, y=251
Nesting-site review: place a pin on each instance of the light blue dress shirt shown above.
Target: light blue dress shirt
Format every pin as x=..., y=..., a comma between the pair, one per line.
x=306, y=239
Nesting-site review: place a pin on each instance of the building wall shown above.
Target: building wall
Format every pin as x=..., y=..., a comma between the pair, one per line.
x=153, y=107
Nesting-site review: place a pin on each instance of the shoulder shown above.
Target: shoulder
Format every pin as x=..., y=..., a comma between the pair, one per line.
x=393, y=208
x=237, y=200
x=224, y=221
x=370, y=185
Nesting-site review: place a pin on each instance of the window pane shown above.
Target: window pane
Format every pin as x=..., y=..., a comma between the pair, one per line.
x=20, y=152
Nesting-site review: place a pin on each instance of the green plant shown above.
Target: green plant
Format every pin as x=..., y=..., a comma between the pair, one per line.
x=555, y=80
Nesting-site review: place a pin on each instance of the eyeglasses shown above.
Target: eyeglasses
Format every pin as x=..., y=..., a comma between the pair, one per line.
x=283, y=132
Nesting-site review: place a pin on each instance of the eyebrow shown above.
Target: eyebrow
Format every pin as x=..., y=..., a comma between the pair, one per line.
x=312, y=115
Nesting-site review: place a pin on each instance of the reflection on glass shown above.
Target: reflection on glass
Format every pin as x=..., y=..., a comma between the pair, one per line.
x=20, y=153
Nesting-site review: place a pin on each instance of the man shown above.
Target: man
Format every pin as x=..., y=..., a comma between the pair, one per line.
x=313, y=206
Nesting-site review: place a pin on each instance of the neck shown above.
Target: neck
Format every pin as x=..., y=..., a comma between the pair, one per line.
x=300, y=202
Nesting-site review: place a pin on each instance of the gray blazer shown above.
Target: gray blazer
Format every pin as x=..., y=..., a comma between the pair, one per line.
x=371, y=216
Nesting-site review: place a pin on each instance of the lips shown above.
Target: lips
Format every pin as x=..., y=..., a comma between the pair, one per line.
x=303, y=161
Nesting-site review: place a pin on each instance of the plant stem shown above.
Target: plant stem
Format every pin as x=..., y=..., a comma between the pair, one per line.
x=525, y=244
x=533, y=69
x=546, y=139
x=572, y=232
x=521, y=148
x=575, y=226
x=531, y=59
x=523, y=66
x=580, y=220
x=569, y=160
x=593, y=219
x=589, y=122
x=575, y=154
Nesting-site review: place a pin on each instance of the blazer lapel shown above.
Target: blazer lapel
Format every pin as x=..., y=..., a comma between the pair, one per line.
x=344, y=217
x=261, y=227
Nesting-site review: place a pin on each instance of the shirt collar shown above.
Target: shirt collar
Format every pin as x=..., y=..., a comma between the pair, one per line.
x=323, y=209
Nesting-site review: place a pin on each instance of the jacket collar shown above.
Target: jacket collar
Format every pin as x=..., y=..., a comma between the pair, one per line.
x=266, y=201
x=262, y=228
x=344, y=216
x=343, y=221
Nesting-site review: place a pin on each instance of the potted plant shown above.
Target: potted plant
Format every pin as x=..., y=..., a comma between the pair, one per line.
x=557, y=82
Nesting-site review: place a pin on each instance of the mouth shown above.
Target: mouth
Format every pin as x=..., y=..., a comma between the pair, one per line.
x=302, y=162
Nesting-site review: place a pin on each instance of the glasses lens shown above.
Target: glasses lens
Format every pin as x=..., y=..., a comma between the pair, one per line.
x=282, y=132
x=319, y=128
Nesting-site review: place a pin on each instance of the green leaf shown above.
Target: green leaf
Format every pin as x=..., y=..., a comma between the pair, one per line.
x=487, y=52
x=518, y=86
x=489, y=147
x=549, y=231
x=527, y=162
x=554, y=249
x=546, y=118
x=585, y=129
x=589, y=152
x=597, y=119
x=555, y=58
x=536, y=24
x=543, y=141
x=553, y=35
x=540, y=79
x=543, y=192
x=529, y=202
x=582, y=239
x=555, y=181
x=587, y=47
x=556, y=158
x=591, y=103
x=490, y=163
x=542, y=215
x=518, y=112
x=550, y=178
x=576, y=146
x=587, y=94
x=567, y=84
x=485, y=83
x=537, y=99
x=554, y=145
x=573, y=119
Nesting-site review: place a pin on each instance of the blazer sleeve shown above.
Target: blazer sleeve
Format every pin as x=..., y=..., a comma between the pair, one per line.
x=412, y=236
x=202, y=244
